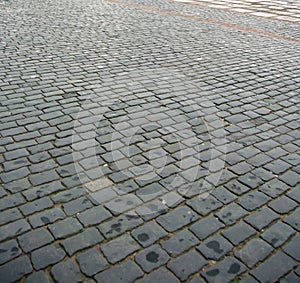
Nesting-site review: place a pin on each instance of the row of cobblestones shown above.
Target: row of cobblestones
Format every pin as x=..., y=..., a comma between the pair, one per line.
x=277, y=10
x=142, y=147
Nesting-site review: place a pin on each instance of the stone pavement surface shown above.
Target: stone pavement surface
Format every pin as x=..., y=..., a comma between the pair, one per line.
x=288, y=10
x=147, y=141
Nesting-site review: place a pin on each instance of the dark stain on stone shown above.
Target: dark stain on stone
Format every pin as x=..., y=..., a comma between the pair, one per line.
x=213, y=272
x=45, y=220
x=2, y=251
x=19, y=230
x=273, y=241
x=116, y=227
x=129, y=202
x=234, y=268
x=129, y=217
x=152, y=257
x=14, y=250
x=227, y=215
x=214, y=245
x=143, y=237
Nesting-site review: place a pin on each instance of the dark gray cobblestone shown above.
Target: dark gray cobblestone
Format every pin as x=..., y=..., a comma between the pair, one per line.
x=145, y=143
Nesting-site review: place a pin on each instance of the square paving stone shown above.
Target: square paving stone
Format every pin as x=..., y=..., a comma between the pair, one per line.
x=120, y=224
x=223, y=195
x=214, y=247
x=278, y=234
x=187, y=264
x=9, y=250
x=253, y=200
x=292, y=248
x=274, y=188
x=66, y=272
x=231, y=213
x=152, y=209
x=46, y=217
x=197, y=280
x=254, y=251
x=291, y=178
x=204, y=205
x=126, y=272
x=66, y=227
x=294, y=219
x=119, y=248
x=150, y=192
x=171, y=199
x=248, y=279
x=273, y=268
x=93, y=216
x=250, y=180
x=238, y=232
x=104, y=195
x=35, y=239
x=123, y=203
x=92, y=262
x=236, y=187
x=294, y=194
x=206, y=226
x=177, y=218
x=37, y=277
x=15, y=269
x=77, y=205
x=125, y=188
x=261, y=218
x=224, y=271
x=151, y=258
x=46, y=256
x=290, y=278
x=161, y=275
x=148, y=233
x=180, y=242
x=283, y=205
x=87, y=238
x=13, y=229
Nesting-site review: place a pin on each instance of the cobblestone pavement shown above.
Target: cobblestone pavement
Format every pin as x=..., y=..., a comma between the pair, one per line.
x=147, y=141
x=279, y=10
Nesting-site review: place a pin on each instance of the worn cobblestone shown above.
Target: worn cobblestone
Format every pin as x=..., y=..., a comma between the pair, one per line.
x=187, y=113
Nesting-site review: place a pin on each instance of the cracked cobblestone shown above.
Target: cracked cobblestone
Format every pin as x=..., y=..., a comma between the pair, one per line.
x=149, y=141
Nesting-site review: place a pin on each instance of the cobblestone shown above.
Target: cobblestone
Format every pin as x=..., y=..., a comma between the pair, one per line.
x=92, y=262
x=274, y=268
x=132, y=151
x=254, y=251
x=35, y=239
x=47, y=255
x=176, y=219
x=119, y=248
x=214, y=247
x=187, y=264
x=161, y=275
x=148, y=233
x=83, y=240
x=9, y=250
x=127, y=272
x=37, y=277
x=227, y=270
x=67, y=272
x=278, y=234
x=15, y=269
x=151, y=258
